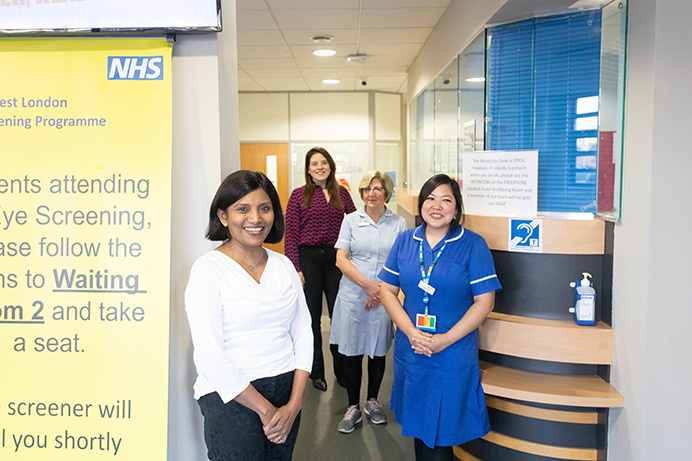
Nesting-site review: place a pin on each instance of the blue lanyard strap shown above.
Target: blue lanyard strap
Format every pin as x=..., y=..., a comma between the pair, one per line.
x=426, y=277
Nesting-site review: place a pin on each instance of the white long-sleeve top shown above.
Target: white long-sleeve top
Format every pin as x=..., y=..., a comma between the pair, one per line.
x=243, y=330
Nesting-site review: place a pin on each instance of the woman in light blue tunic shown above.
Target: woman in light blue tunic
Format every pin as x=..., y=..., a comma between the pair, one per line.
x=360, y=325
x=448, y=278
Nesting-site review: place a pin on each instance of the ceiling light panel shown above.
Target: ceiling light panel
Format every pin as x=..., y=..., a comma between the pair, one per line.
x=322, y=52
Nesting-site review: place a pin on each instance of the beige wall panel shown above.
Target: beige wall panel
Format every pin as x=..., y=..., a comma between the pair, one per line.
x=329, y=116
x=263, y=117
x=387, y=117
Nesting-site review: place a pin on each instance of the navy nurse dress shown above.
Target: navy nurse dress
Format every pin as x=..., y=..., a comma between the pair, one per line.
x=439, y=399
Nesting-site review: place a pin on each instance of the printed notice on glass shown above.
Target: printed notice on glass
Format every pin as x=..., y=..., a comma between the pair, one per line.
x=85, y=207
x=500, y=183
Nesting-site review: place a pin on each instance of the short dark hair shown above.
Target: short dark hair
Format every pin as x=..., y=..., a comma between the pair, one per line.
x=432, y=184
x=236, y=186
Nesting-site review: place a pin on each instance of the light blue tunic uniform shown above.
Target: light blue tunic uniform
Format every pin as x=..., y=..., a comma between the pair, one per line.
x=358, y=331
x=439, y=399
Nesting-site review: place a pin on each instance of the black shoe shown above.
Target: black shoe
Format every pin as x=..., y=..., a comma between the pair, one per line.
x=320, y=384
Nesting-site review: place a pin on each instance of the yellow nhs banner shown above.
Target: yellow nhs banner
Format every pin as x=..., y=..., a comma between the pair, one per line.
x=85, y=207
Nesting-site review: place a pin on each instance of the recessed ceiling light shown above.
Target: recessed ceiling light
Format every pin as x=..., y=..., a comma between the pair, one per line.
x=322, y=38
x=324, y=52
x=475, y=79
x=331, y=81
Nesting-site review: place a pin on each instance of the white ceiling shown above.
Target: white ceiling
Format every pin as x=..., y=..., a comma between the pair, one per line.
x=275, y=46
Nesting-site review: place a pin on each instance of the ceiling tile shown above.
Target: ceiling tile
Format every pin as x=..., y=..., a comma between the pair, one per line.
x=302, y=36
x=401, y=17
x=386, y=61
x=260, y=37
x=404, y=35
x=403, y=50
x=370, y=4
x=317, y=85
x=322, y=63
x=255, y=20
x=273, y=72
x=307, y=19
x=264, y=52
x=248, y=84
x=330, y=72
x=241, y=5
x=250, y=63
x=300, y=51
x=283, y=84
x=275, y=46
x=312, y=4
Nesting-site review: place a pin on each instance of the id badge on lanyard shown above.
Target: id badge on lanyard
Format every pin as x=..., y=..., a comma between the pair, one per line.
x=425, y=321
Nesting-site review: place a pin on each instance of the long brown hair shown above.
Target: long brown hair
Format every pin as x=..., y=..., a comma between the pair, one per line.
x=333, y=187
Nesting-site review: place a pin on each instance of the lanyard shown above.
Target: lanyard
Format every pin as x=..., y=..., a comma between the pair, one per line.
x=425, y=278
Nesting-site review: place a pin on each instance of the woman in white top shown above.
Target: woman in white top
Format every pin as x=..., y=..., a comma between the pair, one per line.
x=250, y=327
x=360, y=325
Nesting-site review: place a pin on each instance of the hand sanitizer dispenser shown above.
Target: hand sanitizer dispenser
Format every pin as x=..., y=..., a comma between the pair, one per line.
x=584, y=301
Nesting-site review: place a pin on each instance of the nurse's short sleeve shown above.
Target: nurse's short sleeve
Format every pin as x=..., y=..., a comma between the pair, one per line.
x=390, y=271
x=345, y=233
x=482, y=269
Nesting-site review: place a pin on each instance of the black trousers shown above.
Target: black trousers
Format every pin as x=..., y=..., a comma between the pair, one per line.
x=233, y=432
x=425, y=453
x=318, y=264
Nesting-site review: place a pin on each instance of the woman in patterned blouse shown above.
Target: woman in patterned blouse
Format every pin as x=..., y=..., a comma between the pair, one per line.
x=313, y=218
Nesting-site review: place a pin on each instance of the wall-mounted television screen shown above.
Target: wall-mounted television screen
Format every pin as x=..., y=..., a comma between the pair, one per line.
x=108, y=16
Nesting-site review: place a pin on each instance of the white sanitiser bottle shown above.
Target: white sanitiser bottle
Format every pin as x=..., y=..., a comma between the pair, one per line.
x=584, y=301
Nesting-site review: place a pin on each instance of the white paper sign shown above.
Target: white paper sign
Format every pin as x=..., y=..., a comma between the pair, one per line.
x=500, y=183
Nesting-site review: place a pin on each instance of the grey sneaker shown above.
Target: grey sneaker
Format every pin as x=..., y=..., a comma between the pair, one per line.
x=352, y=417
x=373, y=409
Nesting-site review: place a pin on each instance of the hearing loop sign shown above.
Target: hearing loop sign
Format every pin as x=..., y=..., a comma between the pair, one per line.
x=526, y=235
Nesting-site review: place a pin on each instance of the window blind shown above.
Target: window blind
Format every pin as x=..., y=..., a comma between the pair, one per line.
x=542, y=82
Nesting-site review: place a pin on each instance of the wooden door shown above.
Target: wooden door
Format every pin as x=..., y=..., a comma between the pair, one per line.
x=272, y=160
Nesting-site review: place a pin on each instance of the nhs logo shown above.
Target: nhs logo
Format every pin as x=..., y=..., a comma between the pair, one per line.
x=135, y=67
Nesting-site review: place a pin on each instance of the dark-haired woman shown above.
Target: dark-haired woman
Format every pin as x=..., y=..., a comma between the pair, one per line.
x=313, y=218
x=250, y=327
x=448, y=278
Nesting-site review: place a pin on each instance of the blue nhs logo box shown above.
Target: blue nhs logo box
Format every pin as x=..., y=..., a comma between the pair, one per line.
x=135, y=67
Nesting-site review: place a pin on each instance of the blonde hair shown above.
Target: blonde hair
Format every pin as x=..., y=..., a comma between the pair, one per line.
x=384, y=178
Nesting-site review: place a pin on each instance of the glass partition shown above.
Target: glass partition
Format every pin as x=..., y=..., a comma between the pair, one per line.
x=446, y=121
x=471, y=98
x=611, y=110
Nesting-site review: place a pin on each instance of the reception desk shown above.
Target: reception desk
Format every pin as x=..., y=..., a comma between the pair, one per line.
x=546, y=379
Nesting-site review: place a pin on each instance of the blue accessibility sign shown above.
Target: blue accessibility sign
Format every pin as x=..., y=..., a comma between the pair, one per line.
x=526, y=235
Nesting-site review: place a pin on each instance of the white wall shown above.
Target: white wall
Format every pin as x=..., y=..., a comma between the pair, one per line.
x=264, y=117
x=329, y=116
x=651, y=303
x=196, y=175
x=334, y=116
x=387, y=117
x=228, y=90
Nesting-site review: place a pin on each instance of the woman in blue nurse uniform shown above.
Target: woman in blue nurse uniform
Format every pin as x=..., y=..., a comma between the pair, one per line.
x=448, y=278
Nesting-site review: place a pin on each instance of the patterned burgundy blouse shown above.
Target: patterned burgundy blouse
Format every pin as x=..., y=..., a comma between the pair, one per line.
x=318, y=225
